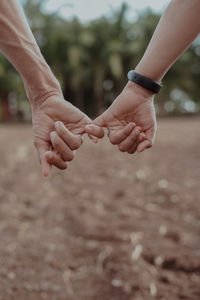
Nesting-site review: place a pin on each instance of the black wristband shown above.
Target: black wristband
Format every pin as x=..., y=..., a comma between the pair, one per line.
x=145, y=82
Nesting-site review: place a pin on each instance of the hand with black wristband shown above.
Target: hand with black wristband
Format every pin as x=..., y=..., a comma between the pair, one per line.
x=130, y=119
x=177, y=28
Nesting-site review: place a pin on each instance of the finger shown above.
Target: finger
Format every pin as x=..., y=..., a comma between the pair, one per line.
x=148, y=142
x=130, y=141
x=74, y=141
x=117, y=136
x=55, y=159
x=144, y=145
x=141, y=137
x=151, y=133
x=42, y=147
x=94, y=130
x=65, y=152
x=46, y=167
x=133, y=149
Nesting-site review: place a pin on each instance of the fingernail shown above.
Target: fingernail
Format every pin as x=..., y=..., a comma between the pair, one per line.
x=58, y=124
x=52, y=134
x=74, y=152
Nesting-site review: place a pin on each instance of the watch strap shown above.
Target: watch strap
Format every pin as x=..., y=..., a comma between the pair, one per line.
x=144, y=81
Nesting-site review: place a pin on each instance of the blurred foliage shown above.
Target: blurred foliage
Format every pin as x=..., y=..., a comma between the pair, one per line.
x=91, y=61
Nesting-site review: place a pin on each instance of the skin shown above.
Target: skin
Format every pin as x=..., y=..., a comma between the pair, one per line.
x=43, y=90
x=130, y=120
x=56, y=141
x=177, y=28
x=134, y=105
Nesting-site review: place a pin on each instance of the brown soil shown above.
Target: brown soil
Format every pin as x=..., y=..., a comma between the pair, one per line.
x=111, y=227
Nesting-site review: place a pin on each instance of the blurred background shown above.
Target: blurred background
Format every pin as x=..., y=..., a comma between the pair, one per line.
x=112, y=226
x=90, y=48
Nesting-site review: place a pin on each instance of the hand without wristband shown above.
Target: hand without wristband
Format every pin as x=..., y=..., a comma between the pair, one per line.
x=145, y=82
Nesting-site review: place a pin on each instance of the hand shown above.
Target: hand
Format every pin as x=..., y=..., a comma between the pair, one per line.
x=64, y=140
x=130, y=114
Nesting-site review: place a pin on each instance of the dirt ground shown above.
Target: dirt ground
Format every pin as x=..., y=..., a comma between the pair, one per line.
x=111, y=227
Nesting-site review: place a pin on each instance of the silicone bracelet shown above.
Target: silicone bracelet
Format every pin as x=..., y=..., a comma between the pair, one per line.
x=145, y=82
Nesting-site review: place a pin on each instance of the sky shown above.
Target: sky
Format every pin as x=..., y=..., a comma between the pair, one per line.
x=87, y=10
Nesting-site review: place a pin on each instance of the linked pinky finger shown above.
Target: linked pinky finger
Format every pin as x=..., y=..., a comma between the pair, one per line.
x=55, y=159
x=94, y=132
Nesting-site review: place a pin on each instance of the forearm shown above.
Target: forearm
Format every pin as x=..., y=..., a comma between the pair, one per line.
x=19, y=46
x=177, y=28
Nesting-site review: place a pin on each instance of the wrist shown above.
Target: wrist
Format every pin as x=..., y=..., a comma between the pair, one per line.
x=144, y=81
x=139, y=90
x=45, y=97
x=38, y=91
x=149, y=71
